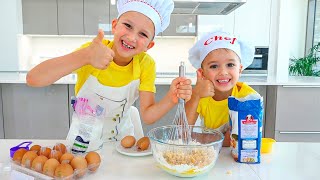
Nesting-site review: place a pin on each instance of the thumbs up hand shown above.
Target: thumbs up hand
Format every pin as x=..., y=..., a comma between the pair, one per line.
x=203, y=87
x=99, y=54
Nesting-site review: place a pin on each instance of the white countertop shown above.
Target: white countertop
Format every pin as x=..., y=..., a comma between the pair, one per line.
x=287, y=161
x=18, y=77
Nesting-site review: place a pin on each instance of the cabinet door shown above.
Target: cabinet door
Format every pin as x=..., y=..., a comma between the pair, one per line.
x=70, y=17
x=40, y=17
x=1, y=116
x=182, y=25
x=210, y=23
x=262, y=90
x=96, y=15
x=165, y=120
x=252, y=22
x=71, y=93
x=35, y=113
x=281, y=136
x=298, y=109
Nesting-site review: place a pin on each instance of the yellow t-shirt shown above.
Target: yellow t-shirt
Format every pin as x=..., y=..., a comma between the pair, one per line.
x=216, y=113
x=141, y=67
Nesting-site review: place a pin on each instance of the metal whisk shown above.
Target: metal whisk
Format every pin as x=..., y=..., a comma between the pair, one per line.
x=181, y=130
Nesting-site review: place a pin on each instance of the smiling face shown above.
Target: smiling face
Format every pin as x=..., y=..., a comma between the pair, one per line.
x=133, y=33
x=223, y=68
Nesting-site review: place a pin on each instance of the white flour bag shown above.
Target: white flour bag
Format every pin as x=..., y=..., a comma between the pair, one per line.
x=246, y=117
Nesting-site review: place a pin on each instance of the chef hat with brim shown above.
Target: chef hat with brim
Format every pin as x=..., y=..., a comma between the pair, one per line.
x=217, y=40
x=158, y=11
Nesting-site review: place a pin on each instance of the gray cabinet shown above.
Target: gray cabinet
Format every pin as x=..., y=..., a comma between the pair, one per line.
x=1, y=116
x=96, y=15
x=262, y=90
x=70, y=17
x=40, y=17
x=53, y=17
x=182, y=25
x=70, y=95
x=35, y=113
x=78, y=17
x=167, y=119
x=297, y=115
x=66, y=17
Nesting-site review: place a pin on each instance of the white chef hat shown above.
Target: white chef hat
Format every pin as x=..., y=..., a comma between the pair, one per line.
x=217, y=40
x=158, y=11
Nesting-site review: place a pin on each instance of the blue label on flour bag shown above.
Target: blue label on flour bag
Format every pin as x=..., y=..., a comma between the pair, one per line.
x=79, y=145
x=246, y=117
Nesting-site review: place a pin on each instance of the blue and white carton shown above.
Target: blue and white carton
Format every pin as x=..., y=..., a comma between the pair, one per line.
x=246, y=118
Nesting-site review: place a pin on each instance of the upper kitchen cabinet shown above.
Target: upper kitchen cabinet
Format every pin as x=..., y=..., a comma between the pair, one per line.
x=252, y=22
x=182, y=25
x=40, y=17
x=209, y=23
x=70, y=17
x=96, y=15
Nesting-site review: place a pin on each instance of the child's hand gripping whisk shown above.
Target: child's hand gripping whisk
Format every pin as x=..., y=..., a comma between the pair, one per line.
x=182, y=132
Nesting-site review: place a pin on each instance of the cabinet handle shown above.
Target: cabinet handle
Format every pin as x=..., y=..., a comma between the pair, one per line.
x=299, y=132
x=301, y=86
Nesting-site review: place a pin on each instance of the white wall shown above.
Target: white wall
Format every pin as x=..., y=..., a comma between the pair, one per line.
x=167, y=52
x=11, y=26
x=297, y=26
x=288, y=34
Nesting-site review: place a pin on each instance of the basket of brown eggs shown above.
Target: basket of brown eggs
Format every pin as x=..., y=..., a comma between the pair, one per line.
x=45, y=162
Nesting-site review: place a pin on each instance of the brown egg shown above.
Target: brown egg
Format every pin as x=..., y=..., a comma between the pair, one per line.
x=38, y=162
x=45, y=151
x=27, y=159
x=66, y=158
x=35, y=148
x=17, y=156
x=128, y=141
x=143, y=143
x=50, y=166
x=60, y=147
x=64, y=171
x=79, y=165
x=55, y=154
x=93, y=160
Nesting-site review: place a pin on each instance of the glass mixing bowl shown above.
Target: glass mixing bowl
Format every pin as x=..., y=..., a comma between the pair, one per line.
x=186, y=160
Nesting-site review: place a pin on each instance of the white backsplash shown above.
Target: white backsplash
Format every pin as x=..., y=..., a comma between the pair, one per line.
x=167, y=52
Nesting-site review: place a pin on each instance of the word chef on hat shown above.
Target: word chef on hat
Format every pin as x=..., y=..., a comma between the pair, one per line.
x=158, y=11
x=217, y=40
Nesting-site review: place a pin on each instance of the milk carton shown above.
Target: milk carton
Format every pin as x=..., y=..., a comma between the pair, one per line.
x=246, y=117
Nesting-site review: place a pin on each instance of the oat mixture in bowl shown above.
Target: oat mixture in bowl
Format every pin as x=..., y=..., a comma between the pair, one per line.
x=186, y=159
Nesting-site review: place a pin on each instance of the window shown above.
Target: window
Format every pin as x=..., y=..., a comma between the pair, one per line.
x=313, y=26
x=316, y=37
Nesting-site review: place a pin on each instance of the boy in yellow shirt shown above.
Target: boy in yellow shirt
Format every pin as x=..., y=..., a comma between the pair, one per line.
x=219, y=59
x=115, y=73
